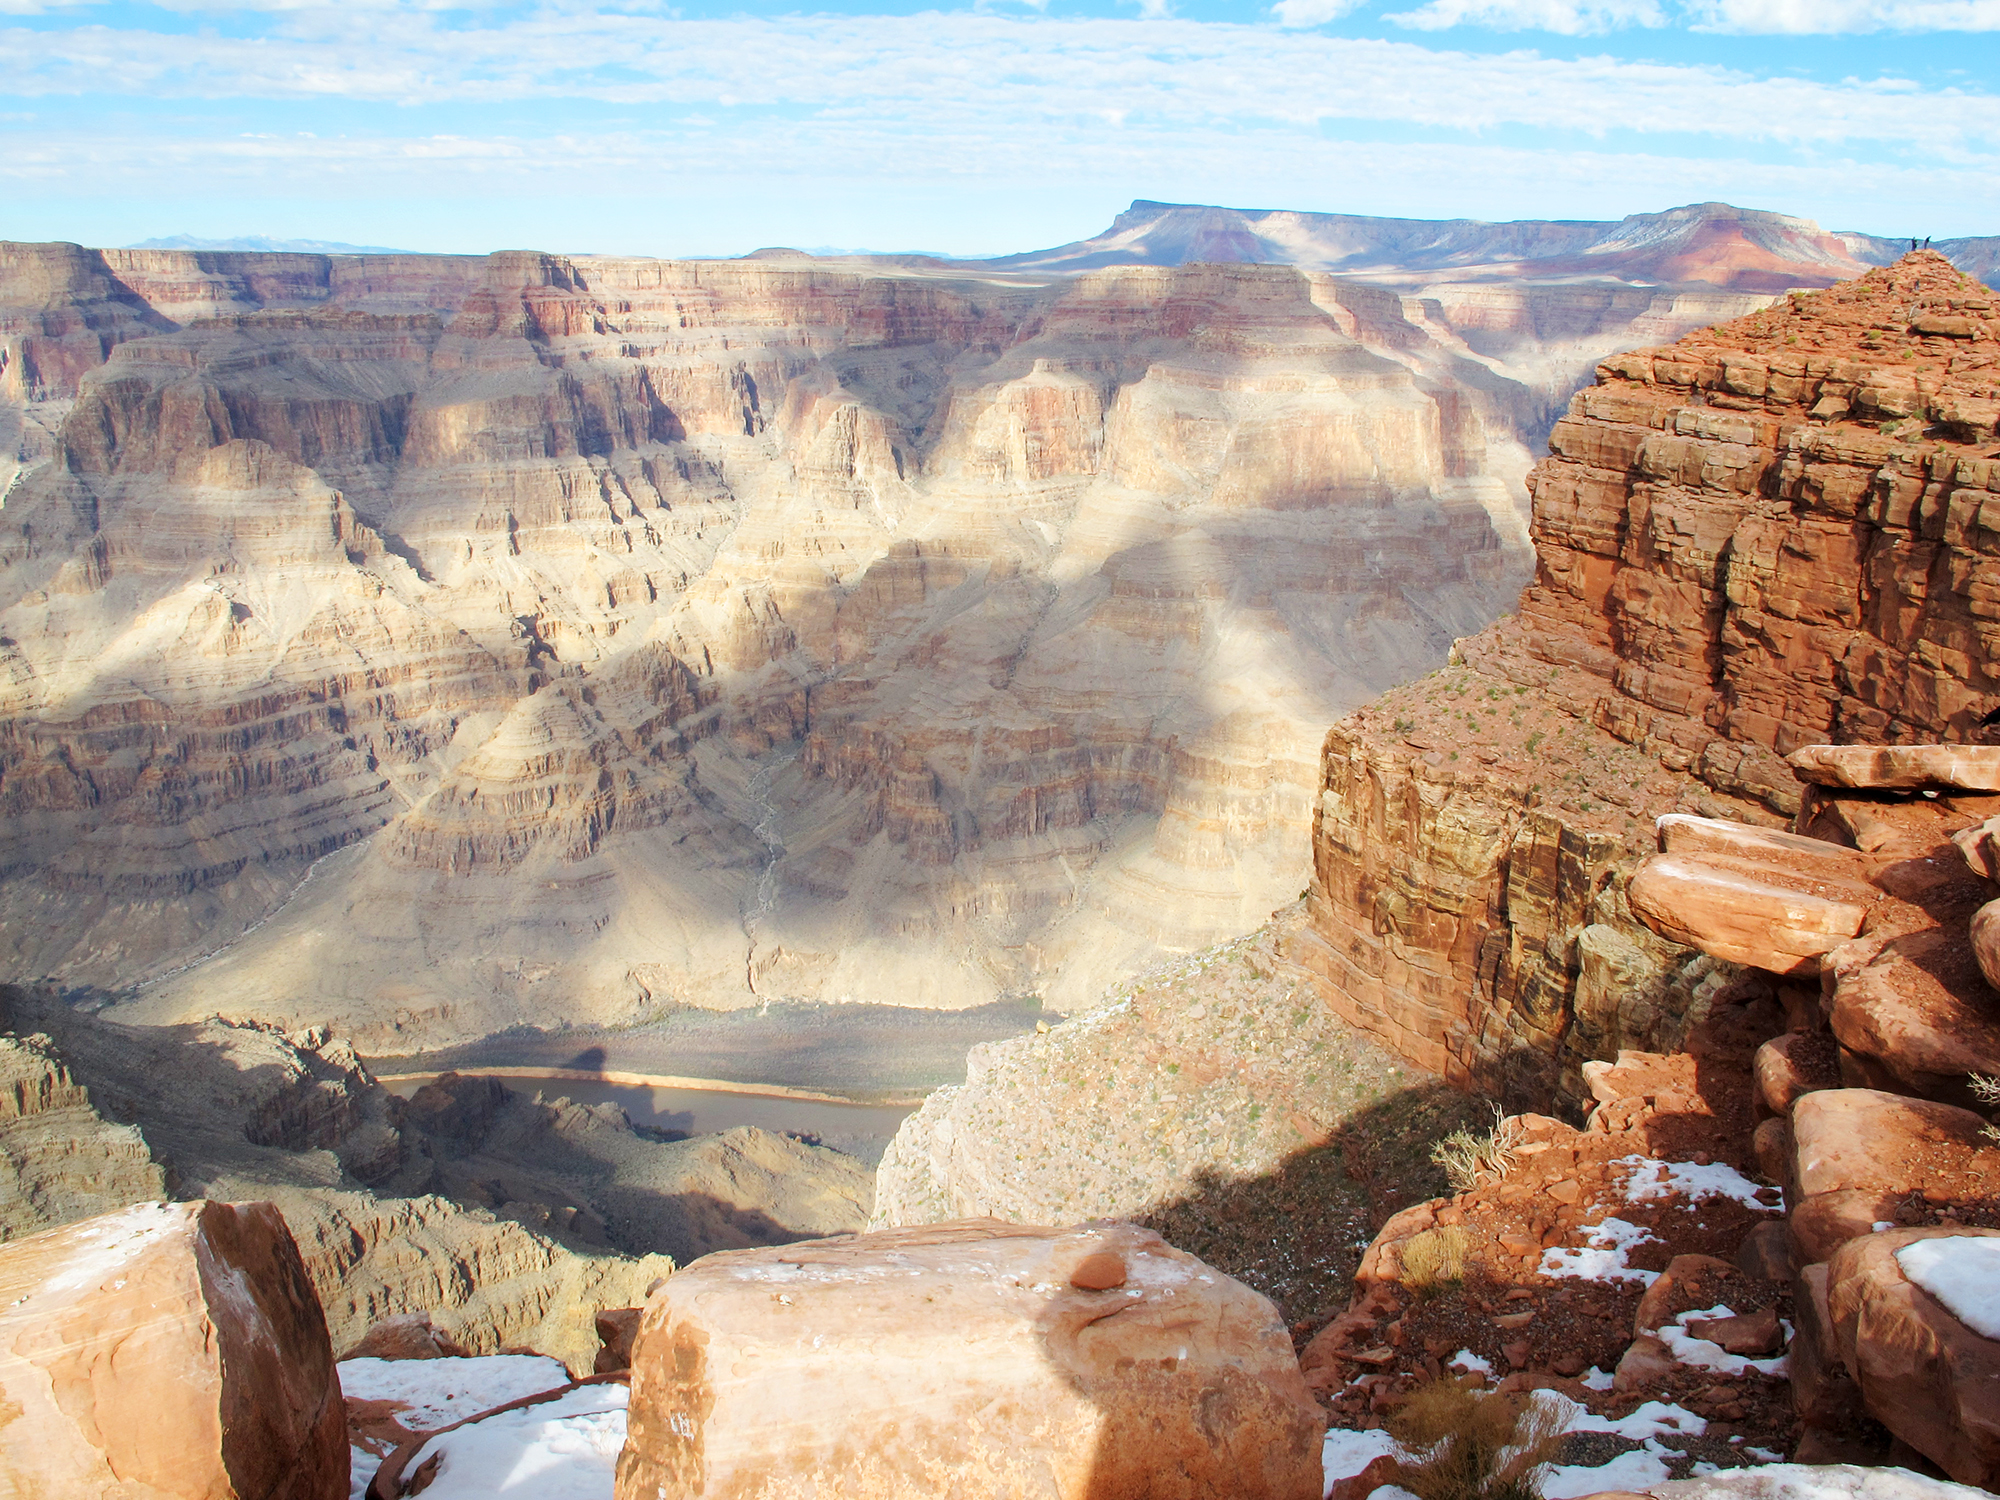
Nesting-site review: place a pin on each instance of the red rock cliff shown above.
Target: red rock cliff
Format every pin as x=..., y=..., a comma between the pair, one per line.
x=1777, y=531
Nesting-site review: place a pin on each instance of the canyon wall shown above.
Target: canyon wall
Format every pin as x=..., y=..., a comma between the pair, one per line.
x=1777, y=532
x=428, y=645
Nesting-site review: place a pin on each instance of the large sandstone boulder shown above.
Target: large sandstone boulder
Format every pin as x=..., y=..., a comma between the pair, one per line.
x=1861, y=1157
x=170, y=1351
x=986, y=1358
x=1813, y=1482
x=1764, y=911
x=1914, y=1012
x=1974, y=768
x=1924, y=1374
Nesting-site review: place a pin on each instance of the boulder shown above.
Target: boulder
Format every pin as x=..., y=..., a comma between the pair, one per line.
x=1790, y=1065
x=1916, y=1010
x=989, y=1358
x=1767, y=1251
x=1925, y=1375
x=1974, y=768
x=1823, y=1392
x=1861, y=1157
x=1980, y=844
x=1750, y=912
x=1984, y=935
x=1684, y=833
x=170, y=1351
x=407, y=1336
x=1813, y=1482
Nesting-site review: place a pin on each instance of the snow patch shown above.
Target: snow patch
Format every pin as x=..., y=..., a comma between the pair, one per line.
x=110, y=1244
x=1470, y=1363
x=565, y=1449
x=439, y=1392
x=1963, y=1272
x=1602, y=1256
x=1347, y=1452
x=1704, y=1355
x=1654, y=1179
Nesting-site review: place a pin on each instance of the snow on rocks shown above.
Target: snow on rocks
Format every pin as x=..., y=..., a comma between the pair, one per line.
x=1601, y=1257
x=1963, y=1272
x=1652, y=1180
x=433, y=1393
x=565, y=1449
x=1925, y=1374
x=1814, y=1482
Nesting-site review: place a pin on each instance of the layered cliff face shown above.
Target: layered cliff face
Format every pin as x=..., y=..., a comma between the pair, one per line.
x=429, y=645
x=1776, y=532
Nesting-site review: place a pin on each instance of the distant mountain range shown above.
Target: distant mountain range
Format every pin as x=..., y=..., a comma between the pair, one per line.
x=1743, y=249
x=264, y=242
x=1717, y=244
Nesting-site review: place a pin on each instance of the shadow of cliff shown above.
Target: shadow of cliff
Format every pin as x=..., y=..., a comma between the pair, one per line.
x=1296, y=1234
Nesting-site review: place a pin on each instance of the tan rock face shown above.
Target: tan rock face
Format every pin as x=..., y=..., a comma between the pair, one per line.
x=168, y=1350
x=1724, y=531
x=848, y=1366
x=59, y=1161
x=788, y=632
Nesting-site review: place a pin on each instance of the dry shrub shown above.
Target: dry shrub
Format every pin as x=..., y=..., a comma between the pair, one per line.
x=1435, y=1258
x=1986, y=1091
x=1469, y=1444
x=1471, y=1157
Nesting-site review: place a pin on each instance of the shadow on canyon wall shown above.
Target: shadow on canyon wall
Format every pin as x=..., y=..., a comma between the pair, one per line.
x=1297, y=1234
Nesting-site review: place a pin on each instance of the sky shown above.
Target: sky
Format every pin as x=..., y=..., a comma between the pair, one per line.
x=632, y=127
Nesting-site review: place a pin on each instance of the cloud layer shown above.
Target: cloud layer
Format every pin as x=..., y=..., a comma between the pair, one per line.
x=393, y=96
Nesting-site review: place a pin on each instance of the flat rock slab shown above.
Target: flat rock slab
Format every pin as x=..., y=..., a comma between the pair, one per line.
x=1972, y=768
x=1861, y=1157
x=170, y=1351
x=1919, y=1008
x=974, y=1358
x=1813, y=1482
x=1923, y=1374
x=1760, y=911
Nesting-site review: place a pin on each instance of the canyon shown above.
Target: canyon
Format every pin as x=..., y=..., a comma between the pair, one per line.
x=1673, y=849
x=424, y=646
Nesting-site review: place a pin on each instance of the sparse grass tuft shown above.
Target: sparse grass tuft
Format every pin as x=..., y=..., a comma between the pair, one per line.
x=1435, y=1259
x=1475, y=1445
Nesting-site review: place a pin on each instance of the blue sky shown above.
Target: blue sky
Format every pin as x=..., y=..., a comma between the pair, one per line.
x=977, y=128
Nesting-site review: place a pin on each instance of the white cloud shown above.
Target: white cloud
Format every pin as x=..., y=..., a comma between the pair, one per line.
x=1842, y=17
x=1566, y=17
x=991, y=78
x=1311, y=12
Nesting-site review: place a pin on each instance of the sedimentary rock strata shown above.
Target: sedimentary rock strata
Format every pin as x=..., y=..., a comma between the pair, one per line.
x=486, y=637
x=1769, y=535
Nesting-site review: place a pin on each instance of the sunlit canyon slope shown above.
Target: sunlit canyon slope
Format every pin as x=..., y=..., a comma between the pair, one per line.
x=428, y=645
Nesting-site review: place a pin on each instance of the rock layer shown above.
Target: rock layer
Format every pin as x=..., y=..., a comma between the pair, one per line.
x=1771, y=534
x=786, y=630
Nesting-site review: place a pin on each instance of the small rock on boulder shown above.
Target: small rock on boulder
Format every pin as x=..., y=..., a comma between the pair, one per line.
x=407, y=1336
x=170, y=1351
x=966, y=1356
